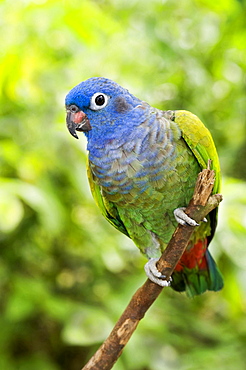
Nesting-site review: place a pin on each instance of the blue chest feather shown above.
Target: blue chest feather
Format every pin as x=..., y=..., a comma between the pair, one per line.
x=134, y=156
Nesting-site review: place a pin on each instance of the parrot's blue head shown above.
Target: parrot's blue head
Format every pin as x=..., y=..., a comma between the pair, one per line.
x=101, y=106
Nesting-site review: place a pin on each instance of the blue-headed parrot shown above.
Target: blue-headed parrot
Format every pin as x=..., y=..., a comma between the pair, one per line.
x=142, y=168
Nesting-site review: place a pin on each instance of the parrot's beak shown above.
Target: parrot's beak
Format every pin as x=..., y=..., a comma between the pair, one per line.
x=77, y=122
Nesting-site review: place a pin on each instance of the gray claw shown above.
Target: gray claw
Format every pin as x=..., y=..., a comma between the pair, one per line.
x=155, y=275
x=182, y=218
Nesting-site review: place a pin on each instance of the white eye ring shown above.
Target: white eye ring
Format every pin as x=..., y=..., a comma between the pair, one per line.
x=98, y=101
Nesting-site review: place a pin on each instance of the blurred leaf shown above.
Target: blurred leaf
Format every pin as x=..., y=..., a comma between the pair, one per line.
x=88, y=326
x=43, y=202
x=11, y=212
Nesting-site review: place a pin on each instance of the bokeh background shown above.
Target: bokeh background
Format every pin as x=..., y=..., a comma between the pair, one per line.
x=65, y=274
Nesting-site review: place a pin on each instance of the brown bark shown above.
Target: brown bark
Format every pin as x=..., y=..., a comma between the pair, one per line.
x=200, y=205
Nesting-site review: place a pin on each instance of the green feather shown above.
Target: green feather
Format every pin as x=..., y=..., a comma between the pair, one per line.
x=108, y=209
x=200, y=141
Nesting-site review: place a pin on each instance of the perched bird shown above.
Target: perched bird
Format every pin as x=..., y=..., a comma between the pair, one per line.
x=142, y=168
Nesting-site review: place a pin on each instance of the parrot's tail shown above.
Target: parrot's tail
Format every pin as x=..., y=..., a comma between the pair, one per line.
x=197, y=272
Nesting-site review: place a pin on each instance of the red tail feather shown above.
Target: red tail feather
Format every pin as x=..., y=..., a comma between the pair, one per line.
x=194, y=256
x=196, y=272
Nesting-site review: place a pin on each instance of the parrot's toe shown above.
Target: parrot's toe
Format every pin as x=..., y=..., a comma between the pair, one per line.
x=155, y=275
x=182, y=218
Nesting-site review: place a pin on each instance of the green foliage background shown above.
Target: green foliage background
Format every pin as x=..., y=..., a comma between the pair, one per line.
x=65, y=274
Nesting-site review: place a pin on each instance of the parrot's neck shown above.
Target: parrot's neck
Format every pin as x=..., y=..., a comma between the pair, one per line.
x=120, y=131
x=107, y=143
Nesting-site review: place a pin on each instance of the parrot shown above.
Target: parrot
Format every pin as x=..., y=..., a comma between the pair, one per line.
x=142, y=168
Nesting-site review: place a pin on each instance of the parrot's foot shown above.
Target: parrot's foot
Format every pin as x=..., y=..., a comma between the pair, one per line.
x=182, y=218
x=155, y=275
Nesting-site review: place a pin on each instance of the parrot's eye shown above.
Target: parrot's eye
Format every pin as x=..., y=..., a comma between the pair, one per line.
x=99, y=101
x=73, y=108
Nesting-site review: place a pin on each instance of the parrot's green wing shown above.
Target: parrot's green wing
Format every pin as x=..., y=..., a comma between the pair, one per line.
x=200, y=141
x=108, y=210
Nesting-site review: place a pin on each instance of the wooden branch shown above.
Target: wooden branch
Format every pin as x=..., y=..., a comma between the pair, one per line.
x=200, y=205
